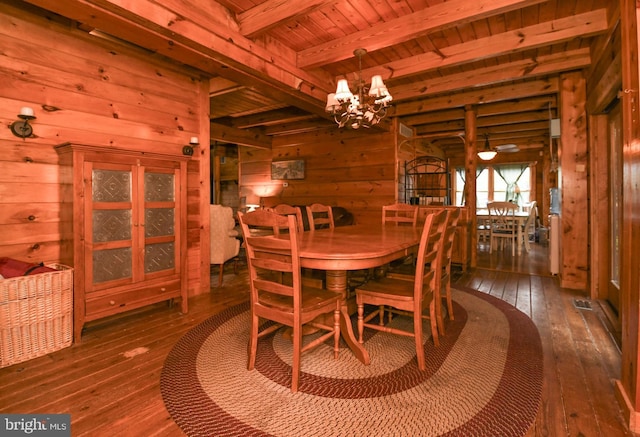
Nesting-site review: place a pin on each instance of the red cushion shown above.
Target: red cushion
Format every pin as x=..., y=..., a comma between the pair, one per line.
x=10, y=268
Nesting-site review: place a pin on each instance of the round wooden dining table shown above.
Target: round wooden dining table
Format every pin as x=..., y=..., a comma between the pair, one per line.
x=353, y=248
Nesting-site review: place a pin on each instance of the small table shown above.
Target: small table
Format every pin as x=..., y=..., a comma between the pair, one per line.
x=354, y=248
x=519, y=217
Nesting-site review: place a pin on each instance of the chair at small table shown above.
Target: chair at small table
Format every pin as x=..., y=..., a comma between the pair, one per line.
x=400, y=213
x=408, y=297
x=503, y=225
x=286, y=302
x=320, y=216
x=223, y=242
x=529, y=227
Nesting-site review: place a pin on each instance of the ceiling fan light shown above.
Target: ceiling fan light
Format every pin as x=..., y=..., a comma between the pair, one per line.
x=487, y=155
x=343, y=93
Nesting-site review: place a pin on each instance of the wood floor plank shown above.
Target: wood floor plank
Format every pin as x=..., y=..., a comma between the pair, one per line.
x=523, y=294
x=108, y=393
x=550, y=420
x=573, y=377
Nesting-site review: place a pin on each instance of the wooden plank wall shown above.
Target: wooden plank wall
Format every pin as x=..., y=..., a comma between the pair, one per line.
x=87, y=90
x=354, y=169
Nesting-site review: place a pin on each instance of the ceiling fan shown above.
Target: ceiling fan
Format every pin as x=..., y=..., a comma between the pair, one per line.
x=507, y=148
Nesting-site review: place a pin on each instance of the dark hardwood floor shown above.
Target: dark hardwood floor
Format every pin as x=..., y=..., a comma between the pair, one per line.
x=110, y=383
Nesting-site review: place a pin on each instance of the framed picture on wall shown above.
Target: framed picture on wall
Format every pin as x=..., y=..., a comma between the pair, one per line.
x=285, y=170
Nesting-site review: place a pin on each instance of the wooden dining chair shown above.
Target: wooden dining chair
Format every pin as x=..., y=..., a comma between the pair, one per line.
x=503, y=225
x=447, y=229
x=447, y=254
x=408, y=297
x=400, y=213
x=287, y=302
x=320, y=216
x=285, y=209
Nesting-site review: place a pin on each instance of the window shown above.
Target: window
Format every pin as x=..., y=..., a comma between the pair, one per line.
x=510, y=182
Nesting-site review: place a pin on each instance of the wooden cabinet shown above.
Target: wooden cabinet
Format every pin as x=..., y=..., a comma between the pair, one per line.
x=126, y=215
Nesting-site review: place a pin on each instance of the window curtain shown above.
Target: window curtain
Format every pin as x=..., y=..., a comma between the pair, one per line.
x=462, y=174
x=511, y=174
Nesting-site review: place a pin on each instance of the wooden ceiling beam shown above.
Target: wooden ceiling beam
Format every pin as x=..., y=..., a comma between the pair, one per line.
x=522, y=105
x=515, y=120
x=432, y=19
x=536, y=103
x=241, y=137
x=527, y=68
x=434, y=117
x=219, y=86
x=534, y=140
x=269, y=118
x=298, y=127
x=178, y=32
x=515, y=130
x=480, y=96
x=273, y=13
x=539, y=35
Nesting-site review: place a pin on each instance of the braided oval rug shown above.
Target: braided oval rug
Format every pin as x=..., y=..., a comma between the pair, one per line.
x=485, y=379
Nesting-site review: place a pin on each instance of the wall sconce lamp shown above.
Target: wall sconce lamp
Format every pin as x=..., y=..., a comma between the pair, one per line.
x=188, y=150
x=21, y=128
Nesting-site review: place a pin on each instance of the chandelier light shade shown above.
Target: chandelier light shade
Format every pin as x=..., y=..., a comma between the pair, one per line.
x=366, y=107
x=487, y=154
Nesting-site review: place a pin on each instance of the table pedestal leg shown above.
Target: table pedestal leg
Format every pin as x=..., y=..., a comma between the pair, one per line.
x=337, y=281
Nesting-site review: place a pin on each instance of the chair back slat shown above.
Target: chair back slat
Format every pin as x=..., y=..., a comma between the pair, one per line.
x=399, y=213
x=501, y=215
x=285, y=209
x=320, y=216
x=429, y=255
x=274, y=265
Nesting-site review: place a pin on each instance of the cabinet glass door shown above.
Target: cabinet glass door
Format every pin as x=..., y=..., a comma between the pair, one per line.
x=111, y=223
x=159, y=221
x=133, y=227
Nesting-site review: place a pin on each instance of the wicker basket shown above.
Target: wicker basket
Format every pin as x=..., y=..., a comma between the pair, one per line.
x=36, y=314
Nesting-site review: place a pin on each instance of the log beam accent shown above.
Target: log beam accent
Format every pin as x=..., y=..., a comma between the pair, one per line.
x=527, y=68
x=470, y=165
x=179, y=33
x=495, y=94
x=539, y=35
x=520, y=120
x=429, y=20
x=271, y=118
x=527, y=104
x=573, y=190
x=241, y=137
x=273, y=12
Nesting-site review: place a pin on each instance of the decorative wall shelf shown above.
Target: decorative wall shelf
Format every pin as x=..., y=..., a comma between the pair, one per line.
x=427, y=181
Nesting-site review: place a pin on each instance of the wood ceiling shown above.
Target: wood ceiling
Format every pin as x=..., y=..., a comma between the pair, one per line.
x=272, y=62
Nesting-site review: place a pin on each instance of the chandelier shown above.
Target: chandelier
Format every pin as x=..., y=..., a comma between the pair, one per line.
x=364, y=108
